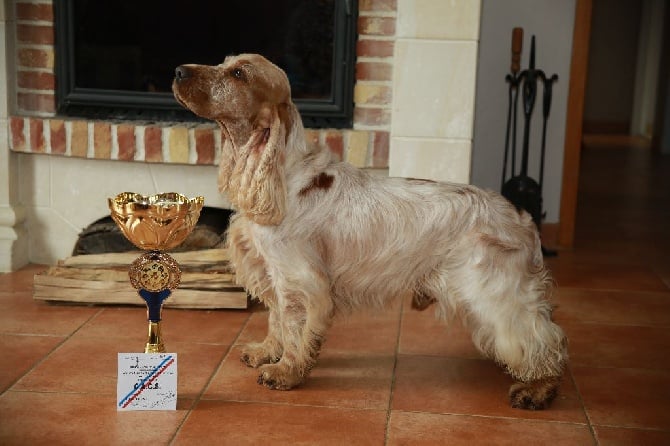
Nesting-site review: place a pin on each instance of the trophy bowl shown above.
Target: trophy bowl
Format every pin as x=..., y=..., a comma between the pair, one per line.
x=156, y=222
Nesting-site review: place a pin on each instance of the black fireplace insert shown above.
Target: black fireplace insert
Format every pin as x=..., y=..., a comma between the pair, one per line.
x=115, y=59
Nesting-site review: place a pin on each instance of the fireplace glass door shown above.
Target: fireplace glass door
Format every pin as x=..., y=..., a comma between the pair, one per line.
x=116, y=58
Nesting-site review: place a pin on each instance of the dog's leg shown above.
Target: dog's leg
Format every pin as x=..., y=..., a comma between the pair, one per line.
x=532, y=349
x=305, y=316
x=251, y=272
x=503, y=290
x=270, y=350
x=539, y=370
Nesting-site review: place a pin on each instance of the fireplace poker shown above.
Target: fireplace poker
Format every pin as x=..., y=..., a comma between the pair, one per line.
x=512, y=100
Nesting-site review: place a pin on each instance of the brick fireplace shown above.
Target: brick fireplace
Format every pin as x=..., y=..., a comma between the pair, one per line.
x=413, y=113
x=35, y=128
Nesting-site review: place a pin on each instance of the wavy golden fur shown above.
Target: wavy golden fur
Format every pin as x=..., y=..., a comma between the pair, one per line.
x=312, y=237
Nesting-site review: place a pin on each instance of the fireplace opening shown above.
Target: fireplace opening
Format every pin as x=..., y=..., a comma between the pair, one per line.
x=116, y=58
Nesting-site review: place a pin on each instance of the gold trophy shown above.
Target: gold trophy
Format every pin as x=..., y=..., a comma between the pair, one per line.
x=155, y=223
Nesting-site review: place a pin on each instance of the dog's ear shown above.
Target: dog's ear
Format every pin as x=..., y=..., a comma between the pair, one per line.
x=257, y=186
x=227, y=163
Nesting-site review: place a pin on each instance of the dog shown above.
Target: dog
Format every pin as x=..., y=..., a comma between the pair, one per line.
x=312, y=237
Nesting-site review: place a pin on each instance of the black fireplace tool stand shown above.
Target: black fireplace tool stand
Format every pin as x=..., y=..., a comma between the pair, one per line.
x=520, y=189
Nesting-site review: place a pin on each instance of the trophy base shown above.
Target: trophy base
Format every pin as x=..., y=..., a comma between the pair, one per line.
x=154, y=348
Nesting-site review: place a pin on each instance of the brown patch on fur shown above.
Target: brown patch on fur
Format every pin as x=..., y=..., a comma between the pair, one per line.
x=266, y=136
x=534, y=395
x=419, y=180
x=421, y=301
x=321, y=181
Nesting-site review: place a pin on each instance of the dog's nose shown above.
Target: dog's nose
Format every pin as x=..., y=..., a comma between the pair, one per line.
x=182, y=72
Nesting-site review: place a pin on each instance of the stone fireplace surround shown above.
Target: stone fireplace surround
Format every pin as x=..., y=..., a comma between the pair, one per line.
x=413, y=116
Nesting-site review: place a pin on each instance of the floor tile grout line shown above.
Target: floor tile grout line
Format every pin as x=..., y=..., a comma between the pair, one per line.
x=635, y=428
x=199, y=396
x=499, y=417
x=60, y=392
x=52, y=351
x=294, y=404
x=583, y=404
x=34, y=335
x=613, y=367
x=389, y=409
x=613, y=324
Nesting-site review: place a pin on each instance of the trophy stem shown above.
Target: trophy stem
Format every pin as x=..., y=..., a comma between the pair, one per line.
x=154, y=341
x=154, y=265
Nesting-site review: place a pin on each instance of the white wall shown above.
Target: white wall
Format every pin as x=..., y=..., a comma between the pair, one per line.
x=551, y=22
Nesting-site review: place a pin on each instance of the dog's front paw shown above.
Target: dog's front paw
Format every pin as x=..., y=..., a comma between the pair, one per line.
x=279, y=377
x=256, y=355
x=534, y=395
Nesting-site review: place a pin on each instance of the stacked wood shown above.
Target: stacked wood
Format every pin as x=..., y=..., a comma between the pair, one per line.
x=207, y=281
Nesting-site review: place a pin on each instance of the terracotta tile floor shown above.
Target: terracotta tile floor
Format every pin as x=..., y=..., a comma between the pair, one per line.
x=393, y=378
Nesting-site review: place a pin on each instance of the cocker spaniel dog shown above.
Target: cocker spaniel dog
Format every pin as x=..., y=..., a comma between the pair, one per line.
x=312, y=237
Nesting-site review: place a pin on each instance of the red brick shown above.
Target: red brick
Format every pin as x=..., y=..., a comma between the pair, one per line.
x=37, y=143
x=374, y=48
x=376, y=26
x=79, y=139
x=35, y=58
x=37, y=34
x=380, y=150
x=36, y=80
x=153, y=144
x=335, y=143
x=374, y=71
x=102, y=140
x=33, y=11
x=18, y=138
x=125, y=136
x=377, y=5
x=36, y=102
x=57, y=131
x=372, y=116
x=205, y=146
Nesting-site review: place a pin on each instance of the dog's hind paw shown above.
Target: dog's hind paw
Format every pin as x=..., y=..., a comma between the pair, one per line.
x=278, y=377
x=534, y=395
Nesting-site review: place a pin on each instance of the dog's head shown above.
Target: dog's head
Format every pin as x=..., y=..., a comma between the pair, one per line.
x=250, y=98
x=238, y=89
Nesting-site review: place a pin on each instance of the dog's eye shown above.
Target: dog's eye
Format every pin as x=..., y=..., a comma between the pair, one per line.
x=237, y=73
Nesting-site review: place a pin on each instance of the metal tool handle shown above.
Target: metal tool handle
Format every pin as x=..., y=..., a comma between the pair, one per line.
x=517, y=44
